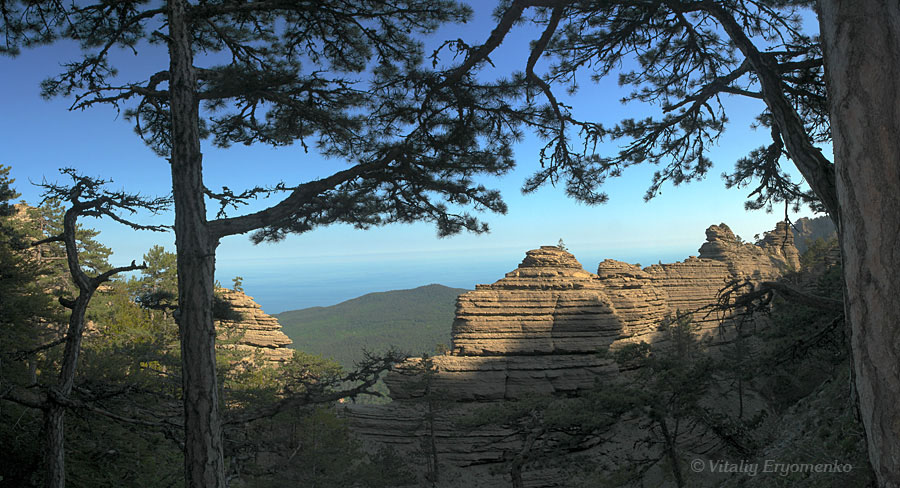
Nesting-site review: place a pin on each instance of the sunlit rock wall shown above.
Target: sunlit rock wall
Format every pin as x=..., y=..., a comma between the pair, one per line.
x=255, y=334
x=538, y=331
x=539, y=328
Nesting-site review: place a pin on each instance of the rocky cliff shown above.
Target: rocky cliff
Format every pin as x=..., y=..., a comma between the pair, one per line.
x=538, y=329
x=807, y=230
x=253, y=333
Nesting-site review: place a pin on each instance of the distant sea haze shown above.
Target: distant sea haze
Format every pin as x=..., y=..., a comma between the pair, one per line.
x=280, y=285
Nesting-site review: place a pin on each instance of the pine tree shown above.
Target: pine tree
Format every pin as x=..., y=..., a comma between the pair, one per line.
x=86, y=196
x=343, y=78
x=24, y=304
x=25, y=311
x=690, y=58
x=157, y=288
x=46, y=220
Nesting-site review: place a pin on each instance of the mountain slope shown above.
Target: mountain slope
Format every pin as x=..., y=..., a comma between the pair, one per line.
x=413, y=320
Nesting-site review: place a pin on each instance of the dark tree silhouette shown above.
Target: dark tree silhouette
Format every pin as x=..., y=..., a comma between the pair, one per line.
x=86, y=197
x=343, y=78
x=690, y=57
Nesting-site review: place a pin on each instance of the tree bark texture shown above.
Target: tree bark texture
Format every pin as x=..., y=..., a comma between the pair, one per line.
x=862, y=63
x=54, y=446
x=204, y=459
x=54, y=413
x=669, y=438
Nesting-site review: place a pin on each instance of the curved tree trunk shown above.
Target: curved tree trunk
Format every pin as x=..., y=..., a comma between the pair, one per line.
x=54, y=432
x=808, y=159
x=862, y=53
x=203, y=454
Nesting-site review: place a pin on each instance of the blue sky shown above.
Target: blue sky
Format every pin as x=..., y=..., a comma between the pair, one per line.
x=335, y=263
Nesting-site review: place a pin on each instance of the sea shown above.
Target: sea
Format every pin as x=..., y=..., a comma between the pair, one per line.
x=292, y=284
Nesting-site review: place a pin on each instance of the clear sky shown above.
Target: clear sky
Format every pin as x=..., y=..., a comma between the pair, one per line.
x=335, y=263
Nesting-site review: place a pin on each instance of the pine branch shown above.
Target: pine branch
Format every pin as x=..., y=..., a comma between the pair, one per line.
x=20, y=355
x=315, y=391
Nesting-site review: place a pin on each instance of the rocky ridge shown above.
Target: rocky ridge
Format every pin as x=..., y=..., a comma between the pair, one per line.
x=537, y=330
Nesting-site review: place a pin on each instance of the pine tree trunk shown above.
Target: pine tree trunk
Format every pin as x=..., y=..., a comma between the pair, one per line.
x=54, y=446
x=671, y=453
x=53, y=430
x=862, y=54
x=204, y=460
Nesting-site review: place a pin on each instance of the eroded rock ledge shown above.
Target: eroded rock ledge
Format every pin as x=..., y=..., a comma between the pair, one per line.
x=537, y=330
x=256, y=334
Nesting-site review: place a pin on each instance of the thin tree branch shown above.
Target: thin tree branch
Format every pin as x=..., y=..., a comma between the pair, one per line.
x=793, y=294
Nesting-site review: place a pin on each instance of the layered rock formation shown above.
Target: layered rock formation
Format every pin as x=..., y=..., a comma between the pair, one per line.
x=807, y=230
x=771, y=257
x=548, y=305
x=694, y=283
x=255, y=334
x=538, y=330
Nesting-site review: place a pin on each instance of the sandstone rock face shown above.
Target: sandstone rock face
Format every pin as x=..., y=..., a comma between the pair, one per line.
x=402, y=426
x=549, y=305
x=780, y=242
x=774, y=255
x=695, y=282
x=807, y=230
x=638, y=301
x=691, y=284
x=256, y=333
x=538, y=331
x=539, y=328
x=480, y=378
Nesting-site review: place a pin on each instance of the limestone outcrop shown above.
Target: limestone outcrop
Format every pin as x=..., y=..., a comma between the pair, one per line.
x=695, y=282
x=538, y=330
x=548, y=305
x=255, y=334
x=771, y=257
x=781, y=242
x=807, y=230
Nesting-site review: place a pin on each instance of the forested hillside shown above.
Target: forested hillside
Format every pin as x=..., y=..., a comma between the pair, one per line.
x=413, y=321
